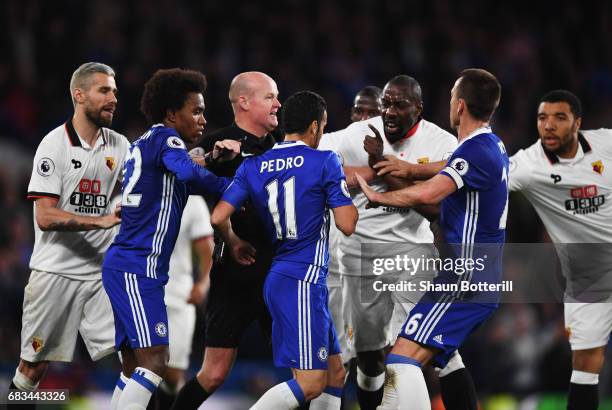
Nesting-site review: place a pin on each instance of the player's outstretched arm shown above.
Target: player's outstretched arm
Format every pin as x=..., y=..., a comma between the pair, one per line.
x=394, y=166
x=242, y=251
x=225, y=150
x=430, y=192
x=346, y=218
x=51, y=218
x=366, y=173
x=200, y=180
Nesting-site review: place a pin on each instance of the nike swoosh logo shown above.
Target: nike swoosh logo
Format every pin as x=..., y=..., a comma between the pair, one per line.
x=244, y=155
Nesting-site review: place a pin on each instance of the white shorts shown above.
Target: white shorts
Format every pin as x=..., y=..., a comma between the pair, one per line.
x=336, y=309
x=181, y=325
x=376, y=323
x=588, y=324
x=55, y=309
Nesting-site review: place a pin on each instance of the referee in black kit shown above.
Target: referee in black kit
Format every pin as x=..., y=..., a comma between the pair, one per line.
x=236, y=291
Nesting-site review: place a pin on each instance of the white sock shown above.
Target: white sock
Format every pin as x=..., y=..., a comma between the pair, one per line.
x=330, y=399
x=579, y=377
x=370, y=383
x=410, y=386
x=455, y=363
x=279, y=397
x=123, y=380
x=389, y=400
x=22, y=382
x=138, y=390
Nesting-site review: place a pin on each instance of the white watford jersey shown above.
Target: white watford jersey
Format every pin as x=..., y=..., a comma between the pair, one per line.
x=195, y=224
x=572, y=197
x=82, y=179
x=426, y=143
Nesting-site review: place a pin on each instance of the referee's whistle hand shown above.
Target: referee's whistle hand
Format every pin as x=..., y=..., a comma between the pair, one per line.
x=243, y=252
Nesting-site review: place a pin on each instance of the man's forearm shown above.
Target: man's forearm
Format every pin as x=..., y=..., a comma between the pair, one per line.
x=55, y=219
x=395, y=183
x=366, y=173
x=426, y=171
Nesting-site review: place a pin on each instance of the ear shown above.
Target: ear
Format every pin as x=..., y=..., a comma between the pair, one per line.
x=243, y=102
x=314, y=127
x=461, y=107
x=419, y=107
x=577, y=124
x=171, y=116
x=79, y=95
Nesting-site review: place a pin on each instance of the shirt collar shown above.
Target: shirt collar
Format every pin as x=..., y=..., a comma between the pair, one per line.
x=77, y=141
x=288, y=144
x=478, y=131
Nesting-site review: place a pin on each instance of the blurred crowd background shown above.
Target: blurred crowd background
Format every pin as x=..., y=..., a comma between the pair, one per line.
x=333, y=48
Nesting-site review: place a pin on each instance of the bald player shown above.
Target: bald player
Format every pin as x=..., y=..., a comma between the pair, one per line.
x=236, y=291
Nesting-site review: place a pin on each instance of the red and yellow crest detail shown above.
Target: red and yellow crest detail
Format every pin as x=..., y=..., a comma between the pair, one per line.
x=37, y=344
x=110, y=163
x=598, y=166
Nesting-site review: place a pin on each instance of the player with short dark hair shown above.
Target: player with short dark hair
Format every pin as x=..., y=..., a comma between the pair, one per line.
x=566, y=176
x=159, y=176
x=473, y=192
x=366, y=103
x=292, y=187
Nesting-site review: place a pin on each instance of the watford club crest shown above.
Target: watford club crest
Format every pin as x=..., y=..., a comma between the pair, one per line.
x=37, y=344
x=110, y=163
x=598, y=167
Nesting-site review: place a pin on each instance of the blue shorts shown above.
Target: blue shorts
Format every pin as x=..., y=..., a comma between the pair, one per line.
x=303, y=334
x=444, y=324
x=138, y=305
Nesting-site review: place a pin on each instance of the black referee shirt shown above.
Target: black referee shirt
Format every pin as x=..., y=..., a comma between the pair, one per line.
x=245, y=222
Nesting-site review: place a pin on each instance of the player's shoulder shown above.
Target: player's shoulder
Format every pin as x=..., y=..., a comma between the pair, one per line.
x=357, y=128
x=231, y=132
x=114, y=138
x=532, y=154
x=601, y=137
x=159, y=134
x=485, y=148
x=433, y=131
x=57, y=137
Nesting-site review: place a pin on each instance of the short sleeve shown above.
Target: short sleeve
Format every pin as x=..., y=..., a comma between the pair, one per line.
x=170, y=146
x=332, y=141
x=334, y=182
x=237, y=192
x=198, y=218
x=472, y=165
x=348, y=143
x=444, y=149
x=47, y=171
x=520, y=172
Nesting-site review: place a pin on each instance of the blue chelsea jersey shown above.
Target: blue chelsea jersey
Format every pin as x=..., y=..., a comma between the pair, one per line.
x=476, y=212
x=158, y=177
x=473, y=218
x=292, y=187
